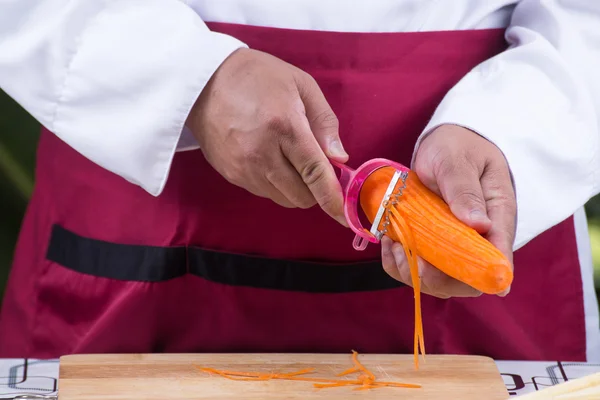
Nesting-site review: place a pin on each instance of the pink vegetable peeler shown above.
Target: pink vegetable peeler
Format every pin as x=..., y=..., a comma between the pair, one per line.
x=352, y=181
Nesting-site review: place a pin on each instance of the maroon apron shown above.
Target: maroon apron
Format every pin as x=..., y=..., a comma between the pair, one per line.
x=102, y=266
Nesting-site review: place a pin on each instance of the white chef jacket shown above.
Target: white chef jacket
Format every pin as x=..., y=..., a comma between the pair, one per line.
x=116, y=79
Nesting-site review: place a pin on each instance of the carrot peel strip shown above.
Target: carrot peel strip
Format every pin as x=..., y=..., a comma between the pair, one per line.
x=366, y=379
x=406, y=240
x=348, y=371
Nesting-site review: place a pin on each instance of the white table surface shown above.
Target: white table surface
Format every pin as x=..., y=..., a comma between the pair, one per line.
x=31, y=376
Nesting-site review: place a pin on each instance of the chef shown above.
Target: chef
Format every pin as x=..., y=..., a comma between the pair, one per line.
x=185, y=200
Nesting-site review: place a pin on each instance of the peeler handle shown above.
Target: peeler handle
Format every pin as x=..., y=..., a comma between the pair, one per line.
x=346, y=175
x=351, y=182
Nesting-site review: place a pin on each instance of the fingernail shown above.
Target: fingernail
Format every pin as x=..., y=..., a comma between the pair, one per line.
x=336, y=149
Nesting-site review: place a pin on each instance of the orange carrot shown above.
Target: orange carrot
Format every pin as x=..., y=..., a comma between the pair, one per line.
x=426, y=227
x=440, y=238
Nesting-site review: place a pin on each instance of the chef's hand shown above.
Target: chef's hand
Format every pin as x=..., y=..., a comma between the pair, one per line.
x=472, y=176
x=265, y=126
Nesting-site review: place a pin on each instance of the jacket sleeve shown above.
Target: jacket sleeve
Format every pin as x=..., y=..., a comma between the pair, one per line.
x=113, y=79
x=539, y=102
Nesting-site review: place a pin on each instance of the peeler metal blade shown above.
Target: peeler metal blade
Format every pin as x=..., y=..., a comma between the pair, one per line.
x=398, y=175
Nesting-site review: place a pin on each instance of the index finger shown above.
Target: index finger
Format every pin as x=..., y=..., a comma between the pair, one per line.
x=306, y=156
x=322, y=120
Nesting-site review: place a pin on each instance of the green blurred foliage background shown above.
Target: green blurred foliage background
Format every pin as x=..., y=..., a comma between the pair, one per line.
x=18, y=138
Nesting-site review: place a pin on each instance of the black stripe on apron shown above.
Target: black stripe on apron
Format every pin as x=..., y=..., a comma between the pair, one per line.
x=156, y=264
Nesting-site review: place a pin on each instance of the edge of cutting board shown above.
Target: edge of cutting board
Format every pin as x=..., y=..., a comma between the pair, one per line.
x=165, y=356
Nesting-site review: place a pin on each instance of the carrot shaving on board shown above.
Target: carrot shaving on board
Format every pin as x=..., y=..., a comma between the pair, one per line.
x=365, y=380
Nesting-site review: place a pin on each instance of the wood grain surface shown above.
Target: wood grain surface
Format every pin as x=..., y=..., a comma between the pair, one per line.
x=174, y=376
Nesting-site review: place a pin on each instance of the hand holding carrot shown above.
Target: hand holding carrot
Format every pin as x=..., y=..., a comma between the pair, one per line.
x=472, y=176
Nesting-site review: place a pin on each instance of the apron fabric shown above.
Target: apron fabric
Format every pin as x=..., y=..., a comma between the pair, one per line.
x=102, y=266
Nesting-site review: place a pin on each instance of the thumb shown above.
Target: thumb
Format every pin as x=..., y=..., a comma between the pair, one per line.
x=459, y=185
x=324, y=124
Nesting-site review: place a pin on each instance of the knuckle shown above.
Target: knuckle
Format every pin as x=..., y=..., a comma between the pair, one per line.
x=399, y=254
x=427, y=164
x=326, y=120
x=509, y=202
x=298, y=197
x=271, y=175
x=313, y=173
x=305, y=202
x=283, y=203
x=497, y=157
x=434, y=284
x=302, y=200
x=233, y=172
x=276, y=122
x=283, y=127
x=231, y=175
x=326, y=202
x=505, y=202
x=473, y=157
x=495, y=190
x=498, y=174
x=499, y=190
x=442, y=164
x=395, y=270
x=310, y=79
x=386, y=251
x=297, y=107
x=469, y=197
x=387, y=260
x=435, y=280
x=456, y=161
x=253, y=156
x=306, y=80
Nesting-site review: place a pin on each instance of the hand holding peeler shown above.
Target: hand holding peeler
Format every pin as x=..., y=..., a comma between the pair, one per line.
x=351, y=181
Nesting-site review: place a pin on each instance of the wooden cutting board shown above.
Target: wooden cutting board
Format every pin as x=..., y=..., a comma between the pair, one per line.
x=174, y=376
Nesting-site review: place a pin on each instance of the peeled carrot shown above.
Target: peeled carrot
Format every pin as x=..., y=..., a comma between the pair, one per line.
x=439, y=237
x=426, y=227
